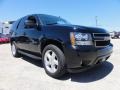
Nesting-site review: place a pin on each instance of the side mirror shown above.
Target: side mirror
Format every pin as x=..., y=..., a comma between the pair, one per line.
x=30, y=24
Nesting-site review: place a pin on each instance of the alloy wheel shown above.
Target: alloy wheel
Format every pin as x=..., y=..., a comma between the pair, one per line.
x=51, y=61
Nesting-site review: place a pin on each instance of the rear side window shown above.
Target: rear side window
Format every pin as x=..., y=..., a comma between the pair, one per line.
x=22, y=23
x=15, y=24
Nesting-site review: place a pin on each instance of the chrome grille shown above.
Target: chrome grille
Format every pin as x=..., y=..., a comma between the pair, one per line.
x=101, y=39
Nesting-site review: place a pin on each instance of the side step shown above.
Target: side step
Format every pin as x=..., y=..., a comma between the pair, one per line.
x=29, y=55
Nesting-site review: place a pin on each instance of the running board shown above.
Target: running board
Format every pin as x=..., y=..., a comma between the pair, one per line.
x=29, y=55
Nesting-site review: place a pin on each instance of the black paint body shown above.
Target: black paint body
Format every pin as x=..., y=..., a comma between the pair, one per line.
x=33, y=41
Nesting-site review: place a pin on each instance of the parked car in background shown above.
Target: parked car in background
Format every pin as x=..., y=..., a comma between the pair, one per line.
x=6, y=27
x=61, y=45
x=4, y=38
x=115, y=35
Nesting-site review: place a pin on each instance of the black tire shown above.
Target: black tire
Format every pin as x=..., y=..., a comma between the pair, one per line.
x=14, y=53
x=61, y=61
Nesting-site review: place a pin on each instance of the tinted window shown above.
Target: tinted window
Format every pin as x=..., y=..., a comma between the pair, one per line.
x=33, y=19
x=49, y=20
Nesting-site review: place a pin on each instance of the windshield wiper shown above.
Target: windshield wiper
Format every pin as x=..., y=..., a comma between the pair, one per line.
x=52, y=23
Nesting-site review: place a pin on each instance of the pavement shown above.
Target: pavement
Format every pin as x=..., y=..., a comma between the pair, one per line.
x=28, y=74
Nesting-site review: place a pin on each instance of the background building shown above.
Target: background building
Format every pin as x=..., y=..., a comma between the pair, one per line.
x=5, y=27
x=0, y=27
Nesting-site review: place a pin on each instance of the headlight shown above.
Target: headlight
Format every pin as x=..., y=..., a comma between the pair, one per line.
x=80, y=38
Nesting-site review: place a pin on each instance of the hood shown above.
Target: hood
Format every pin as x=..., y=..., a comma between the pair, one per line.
x=83, y=29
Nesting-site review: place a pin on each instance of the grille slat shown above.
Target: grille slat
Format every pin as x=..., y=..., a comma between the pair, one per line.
x=101, y=35
x=101, y=39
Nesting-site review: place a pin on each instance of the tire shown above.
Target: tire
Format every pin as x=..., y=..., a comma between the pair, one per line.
x=14, y=50
x=53, y=61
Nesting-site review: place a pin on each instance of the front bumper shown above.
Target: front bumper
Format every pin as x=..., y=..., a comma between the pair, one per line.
x=86, y=56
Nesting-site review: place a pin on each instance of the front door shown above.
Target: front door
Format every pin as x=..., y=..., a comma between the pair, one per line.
x=32, y=35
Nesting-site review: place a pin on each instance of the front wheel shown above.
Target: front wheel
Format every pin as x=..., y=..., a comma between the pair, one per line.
x=53, y=61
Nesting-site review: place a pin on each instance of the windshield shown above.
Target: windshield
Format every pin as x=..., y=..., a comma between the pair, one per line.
x=51, y=20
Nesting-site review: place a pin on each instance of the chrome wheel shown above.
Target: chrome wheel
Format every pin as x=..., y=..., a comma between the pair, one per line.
x=51, y=61
x=13, y=49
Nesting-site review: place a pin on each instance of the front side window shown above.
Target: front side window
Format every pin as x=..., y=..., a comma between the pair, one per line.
x=51, y=20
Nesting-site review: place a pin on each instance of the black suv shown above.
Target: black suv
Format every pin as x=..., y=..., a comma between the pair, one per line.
x=61, y=45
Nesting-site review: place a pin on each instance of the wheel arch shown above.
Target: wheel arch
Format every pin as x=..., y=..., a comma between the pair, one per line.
x=57, y=43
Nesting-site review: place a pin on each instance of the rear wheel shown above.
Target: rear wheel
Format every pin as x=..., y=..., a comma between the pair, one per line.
x=53, y=61
x=14, y=50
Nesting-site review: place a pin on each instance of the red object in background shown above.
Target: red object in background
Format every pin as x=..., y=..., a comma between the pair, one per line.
x=0, y=39
x=4, y=40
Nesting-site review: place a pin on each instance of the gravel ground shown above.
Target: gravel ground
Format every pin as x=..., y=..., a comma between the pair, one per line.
x=28, y=74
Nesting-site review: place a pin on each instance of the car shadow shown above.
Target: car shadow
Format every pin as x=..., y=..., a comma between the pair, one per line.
x=96, y=73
